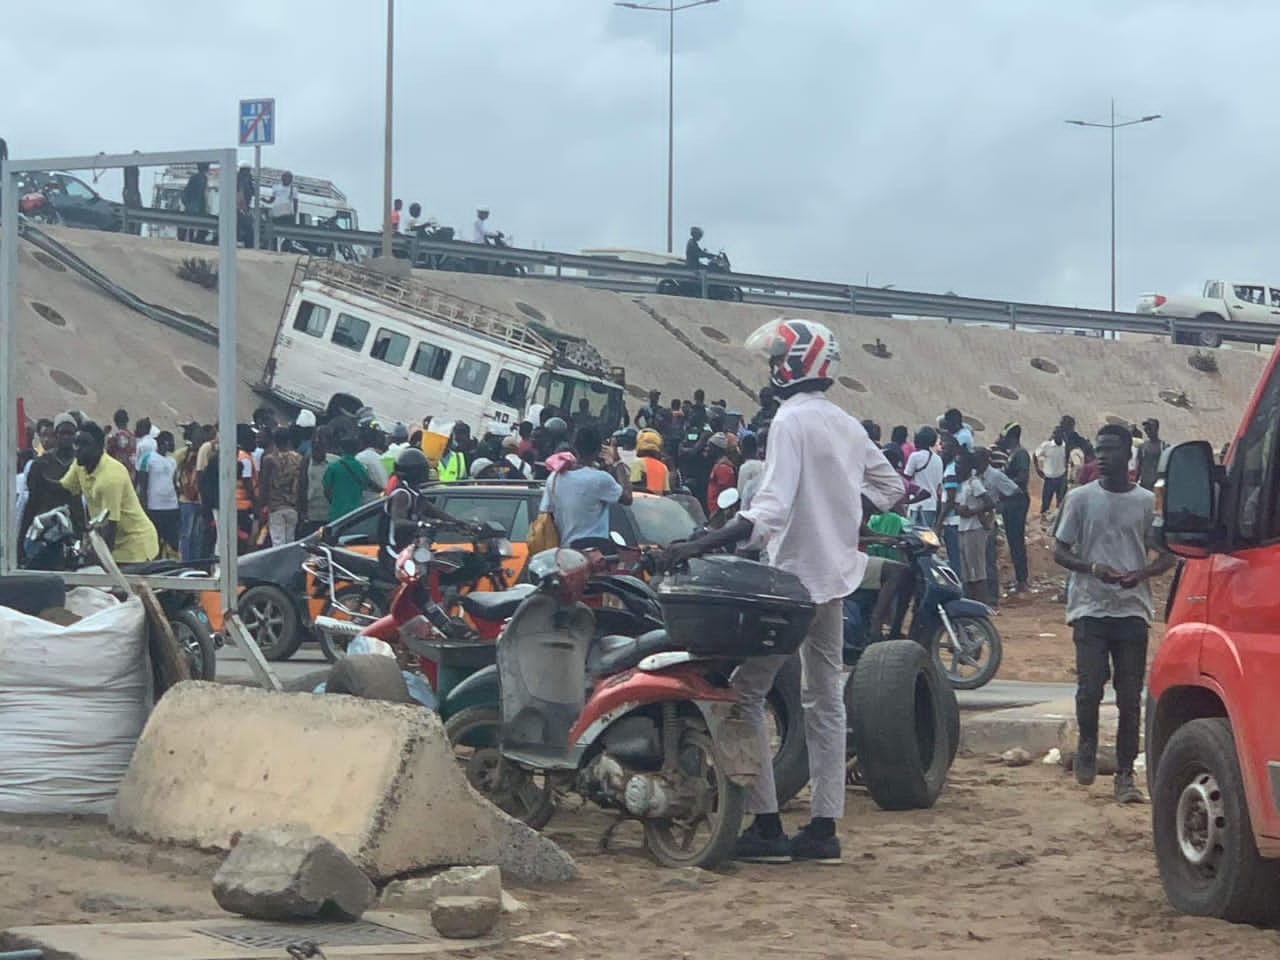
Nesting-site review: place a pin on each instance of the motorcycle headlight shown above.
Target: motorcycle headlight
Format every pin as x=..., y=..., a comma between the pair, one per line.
x=928, y=537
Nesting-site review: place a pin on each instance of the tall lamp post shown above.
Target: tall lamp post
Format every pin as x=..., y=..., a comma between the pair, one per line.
x=387, y=252
x=1113, y=126
x=670, y=9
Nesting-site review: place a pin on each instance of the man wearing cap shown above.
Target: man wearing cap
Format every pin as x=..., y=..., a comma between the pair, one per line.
x=723, y=473
x=399, y=443
x=44, y=476
x=520, y=469
x=480, y=231
x=1149, y=454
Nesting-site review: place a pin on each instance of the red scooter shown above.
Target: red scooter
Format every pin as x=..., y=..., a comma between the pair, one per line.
x=656, y=734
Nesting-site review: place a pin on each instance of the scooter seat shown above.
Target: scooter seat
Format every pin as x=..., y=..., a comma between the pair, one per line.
x=615, y=654
x=497, y=604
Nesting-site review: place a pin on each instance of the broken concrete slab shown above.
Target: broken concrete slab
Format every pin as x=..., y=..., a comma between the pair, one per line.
x=465, y=918
x=278, y=874
x=379, y=780
x=421, y=893
x=1036, y=729
x=408, y=935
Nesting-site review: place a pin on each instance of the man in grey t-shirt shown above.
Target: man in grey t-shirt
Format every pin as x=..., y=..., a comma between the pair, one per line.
x=1103, y=538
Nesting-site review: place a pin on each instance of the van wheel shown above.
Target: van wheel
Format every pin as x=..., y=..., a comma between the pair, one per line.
x=1209, y=863
x=899, y=725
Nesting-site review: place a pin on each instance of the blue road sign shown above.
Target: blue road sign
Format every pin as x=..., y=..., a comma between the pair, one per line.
x=257, y=122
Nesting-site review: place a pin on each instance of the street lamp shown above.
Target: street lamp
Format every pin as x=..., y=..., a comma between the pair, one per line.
x=386, y=155
x=1113, y=127
x=670, y=9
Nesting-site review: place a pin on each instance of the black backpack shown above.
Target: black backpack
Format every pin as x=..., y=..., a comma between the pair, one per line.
x=207, y=483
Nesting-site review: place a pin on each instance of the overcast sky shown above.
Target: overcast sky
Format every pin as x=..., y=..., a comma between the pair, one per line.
x=919, y=144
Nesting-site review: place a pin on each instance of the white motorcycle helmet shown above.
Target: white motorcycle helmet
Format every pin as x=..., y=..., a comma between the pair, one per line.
x=798, y=351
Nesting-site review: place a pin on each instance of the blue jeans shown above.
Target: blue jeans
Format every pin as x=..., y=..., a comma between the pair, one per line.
x=951, y=538
x=190, y=546
x=923, y=517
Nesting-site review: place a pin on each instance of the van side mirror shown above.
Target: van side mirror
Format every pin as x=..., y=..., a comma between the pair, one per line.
x=1186, y=495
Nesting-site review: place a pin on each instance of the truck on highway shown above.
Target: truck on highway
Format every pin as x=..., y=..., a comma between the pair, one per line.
x=407, y=349
x=1221, y=302
x=1213, y=716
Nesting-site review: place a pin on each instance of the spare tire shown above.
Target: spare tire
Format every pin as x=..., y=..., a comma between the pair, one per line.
x=31, y=593
x=899, y=725
x=369, y=676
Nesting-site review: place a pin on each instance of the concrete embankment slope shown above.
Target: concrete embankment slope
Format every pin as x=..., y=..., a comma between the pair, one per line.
x=104, y=355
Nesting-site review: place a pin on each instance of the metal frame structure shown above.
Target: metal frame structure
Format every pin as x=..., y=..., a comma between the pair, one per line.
x=226, y=580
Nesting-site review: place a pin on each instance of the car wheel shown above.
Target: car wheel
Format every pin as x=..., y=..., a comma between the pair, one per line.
x=1207, y=338
x=1208, y=860
x=900, y=725
x=272, y=620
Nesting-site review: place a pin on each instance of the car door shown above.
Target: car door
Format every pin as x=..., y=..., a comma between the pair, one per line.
x=1242, y=647
x=1248, y=302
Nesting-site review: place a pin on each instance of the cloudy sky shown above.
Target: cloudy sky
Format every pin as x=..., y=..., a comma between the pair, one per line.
x=913, y=143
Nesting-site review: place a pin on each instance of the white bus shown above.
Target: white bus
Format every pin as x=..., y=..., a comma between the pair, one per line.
x=408, y=350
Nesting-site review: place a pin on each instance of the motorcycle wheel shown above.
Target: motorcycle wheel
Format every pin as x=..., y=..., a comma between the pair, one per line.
x=195, y=640
x=708, y=837
x=790, y=754
x=46, y=215
x=974, y=660
x=669, y=288
x=356, y=598
x=524, y=794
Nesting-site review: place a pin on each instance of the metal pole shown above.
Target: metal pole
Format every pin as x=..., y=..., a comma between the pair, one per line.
x=1113, y=204
x=671, y=110
x=257, y=192
x=227, y=472
x=9, y=425
x=386, y=160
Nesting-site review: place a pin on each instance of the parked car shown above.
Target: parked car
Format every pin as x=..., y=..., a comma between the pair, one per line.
x=70, y=200
x=1213, y=728
x=278, y=602
x=1223, y=301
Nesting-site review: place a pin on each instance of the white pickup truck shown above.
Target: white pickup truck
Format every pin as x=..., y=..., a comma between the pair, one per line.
x=1223, y=301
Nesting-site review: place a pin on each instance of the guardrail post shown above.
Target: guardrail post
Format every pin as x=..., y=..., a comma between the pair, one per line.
x=558, y=267
x=1013, y=316
x=853, y=301
x=269, y=233
x=702, y=275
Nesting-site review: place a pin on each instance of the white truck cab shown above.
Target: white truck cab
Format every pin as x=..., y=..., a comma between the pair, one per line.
x=1222, y=301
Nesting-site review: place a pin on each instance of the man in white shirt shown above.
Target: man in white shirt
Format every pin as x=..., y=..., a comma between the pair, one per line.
x=283, y=202
x=373, y=441
x=924, y=468
x=820, y=468
x=481, y=230
x=1050, y=462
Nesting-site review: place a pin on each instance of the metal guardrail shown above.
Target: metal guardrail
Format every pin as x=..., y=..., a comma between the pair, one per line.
x=632, y=277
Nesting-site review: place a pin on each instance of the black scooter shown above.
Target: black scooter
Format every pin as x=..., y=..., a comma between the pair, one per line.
x=957, y=632
x=693, y=288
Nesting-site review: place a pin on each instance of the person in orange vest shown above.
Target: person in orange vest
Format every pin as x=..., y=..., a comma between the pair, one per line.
x=649, y=473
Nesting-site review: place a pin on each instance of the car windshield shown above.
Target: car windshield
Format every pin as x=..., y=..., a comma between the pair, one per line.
x=564, y=392
x=660, y=520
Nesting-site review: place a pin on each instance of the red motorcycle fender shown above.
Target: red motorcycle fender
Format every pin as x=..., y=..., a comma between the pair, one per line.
x=615, y=696
x=385, y=628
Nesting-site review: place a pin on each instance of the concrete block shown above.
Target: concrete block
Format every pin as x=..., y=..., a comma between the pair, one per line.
x=282, y=875
x=465, y=918
x=378, y=780
x=421, y=893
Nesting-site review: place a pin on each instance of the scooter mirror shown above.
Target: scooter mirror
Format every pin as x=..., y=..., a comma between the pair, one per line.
x=617, y=538
x=727, y=499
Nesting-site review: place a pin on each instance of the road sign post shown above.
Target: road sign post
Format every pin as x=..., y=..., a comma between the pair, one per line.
x=257, y=127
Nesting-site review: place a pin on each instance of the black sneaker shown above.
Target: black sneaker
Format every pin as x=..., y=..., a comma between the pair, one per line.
x=806, y=845
x=1126, y=790
x=754, y=847
x=1086, y=763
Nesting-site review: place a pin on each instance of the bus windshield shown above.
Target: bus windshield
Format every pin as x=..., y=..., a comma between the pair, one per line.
x=566, y=394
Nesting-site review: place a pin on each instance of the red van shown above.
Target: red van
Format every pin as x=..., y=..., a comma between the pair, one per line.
x=1213, y=709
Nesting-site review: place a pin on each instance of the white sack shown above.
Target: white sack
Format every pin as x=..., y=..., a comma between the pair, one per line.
x=73, y=701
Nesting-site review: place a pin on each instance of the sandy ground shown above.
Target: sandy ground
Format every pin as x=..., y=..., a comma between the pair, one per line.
x=1010, y=863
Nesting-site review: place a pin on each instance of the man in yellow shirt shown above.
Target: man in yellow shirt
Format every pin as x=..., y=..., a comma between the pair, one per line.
x=105, y=485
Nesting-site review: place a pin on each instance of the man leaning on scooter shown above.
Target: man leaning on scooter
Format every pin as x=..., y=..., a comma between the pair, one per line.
x=820, y=470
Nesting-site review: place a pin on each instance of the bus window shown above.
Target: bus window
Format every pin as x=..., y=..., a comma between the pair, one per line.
x=390, y=347
x=471, y=375
x=512, y=389
x=429, y=361
x=350, y=331
x=311, y=319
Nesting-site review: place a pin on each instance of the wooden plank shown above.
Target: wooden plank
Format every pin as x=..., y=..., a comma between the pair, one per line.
x=162, y=644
